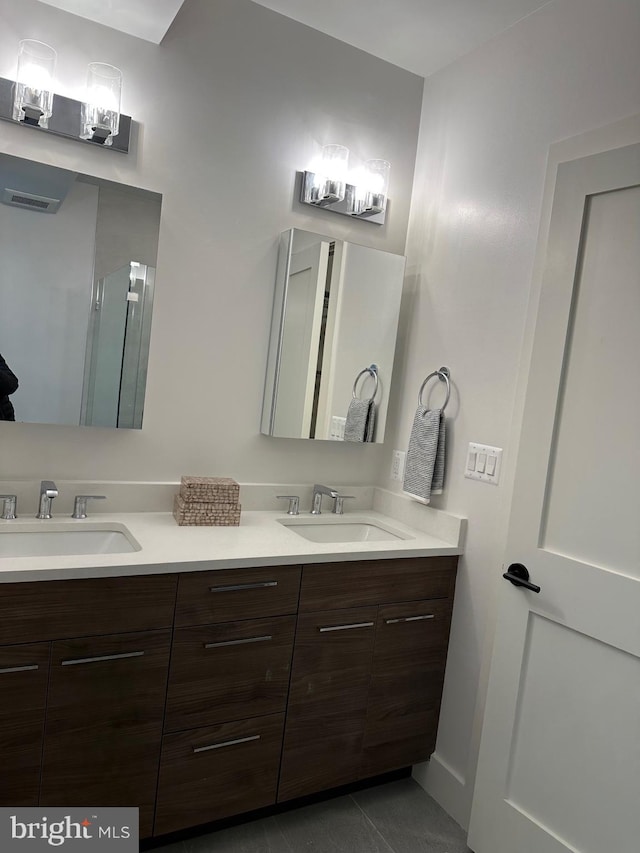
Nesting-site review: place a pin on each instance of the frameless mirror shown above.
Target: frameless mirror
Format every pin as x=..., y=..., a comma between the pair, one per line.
x=333, y=338
x=77, y=264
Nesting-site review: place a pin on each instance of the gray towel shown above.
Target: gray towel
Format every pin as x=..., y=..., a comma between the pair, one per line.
x=424, y=466
x=360, y=421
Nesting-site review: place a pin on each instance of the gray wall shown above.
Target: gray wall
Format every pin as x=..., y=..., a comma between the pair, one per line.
x=230, y=105
x=488, y=121
x=127, y=230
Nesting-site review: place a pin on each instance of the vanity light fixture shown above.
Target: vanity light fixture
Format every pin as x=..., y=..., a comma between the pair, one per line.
x=31, y=101
x=371, y=188
x=363, y=195
x=33, y=96
x=330, y=176
x=101, y=108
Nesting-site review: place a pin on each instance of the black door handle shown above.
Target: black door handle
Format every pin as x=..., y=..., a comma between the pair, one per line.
x=519, y=576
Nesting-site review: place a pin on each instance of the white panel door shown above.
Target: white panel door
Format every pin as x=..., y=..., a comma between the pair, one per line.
x=559, y=766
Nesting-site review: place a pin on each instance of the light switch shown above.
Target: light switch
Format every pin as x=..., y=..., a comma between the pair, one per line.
x=337, y=428
x=483, y=463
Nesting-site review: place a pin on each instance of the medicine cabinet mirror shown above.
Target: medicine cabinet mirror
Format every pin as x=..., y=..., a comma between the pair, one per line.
x=335, y=315
x=77, y=264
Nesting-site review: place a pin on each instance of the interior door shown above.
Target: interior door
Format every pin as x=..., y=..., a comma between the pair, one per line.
x=559, y=765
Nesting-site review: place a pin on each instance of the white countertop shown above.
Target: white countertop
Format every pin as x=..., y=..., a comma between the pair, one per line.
x=260, y=540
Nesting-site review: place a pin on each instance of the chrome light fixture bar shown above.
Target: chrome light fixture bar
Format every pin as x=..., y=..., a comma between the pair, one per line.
x=364, y=196
x=30, y=100
x=65, y=119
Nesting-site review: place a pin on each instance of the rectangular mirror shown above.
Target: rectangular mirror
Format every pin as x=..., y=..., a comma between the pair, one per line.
x=333, y=338
x=77, y=264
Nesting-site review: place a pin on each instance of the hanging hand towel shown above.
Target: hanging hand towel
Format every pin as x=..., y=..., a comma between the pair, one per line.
x=360, y=421
x=424, y=466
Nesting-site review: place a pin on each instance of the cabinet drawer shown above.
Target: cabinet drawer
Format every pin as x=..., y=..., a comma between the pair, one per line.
x=232, y=594
x=364, y=582
x=212, y=773
x=57, y=610
x=230, y=670
x=24, y=671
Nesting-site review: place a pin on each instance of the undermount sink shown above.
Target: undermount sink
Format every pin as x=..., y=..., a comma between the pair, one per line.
x=64, y=539
x=347, y=529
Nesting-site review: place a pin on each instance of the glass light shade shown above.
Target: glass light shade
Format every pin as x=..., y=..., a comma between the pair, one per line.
x=334, y=165
x=375, y=181
x=33, y=97
x=101, y=107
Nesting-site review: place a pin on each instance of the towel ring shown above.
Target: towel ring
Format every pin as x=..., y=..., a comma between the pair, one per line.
x=443, y=376
x=373, y=371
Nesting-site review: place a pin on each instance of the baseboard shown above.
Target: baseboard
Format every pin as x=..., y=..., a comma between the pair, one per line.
x=148, y=844
x=446, y=787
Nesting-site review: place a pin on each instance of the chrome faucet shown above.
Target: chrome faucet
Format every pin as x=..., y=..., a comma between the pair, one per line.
x=318, y=491
x=48, y=491
x=80, y=504
x=8, y=507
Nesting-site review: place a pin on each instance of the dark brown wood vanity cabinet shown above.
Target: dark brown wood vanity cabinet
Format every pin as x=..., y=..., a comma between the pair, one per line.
x=24, y=673
x=207, y=694
x=228, y=687
x=104, y=721
x=81, y=707
x=367, y=672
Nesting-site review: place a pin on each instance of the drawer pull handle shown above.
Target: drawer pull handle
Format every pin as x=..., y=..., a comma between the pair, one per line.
x=409, y=619
x=346, y=627
x=239, y=586
x=19, y=668
x=75, y=661
x=238, y=642
x=225, y=743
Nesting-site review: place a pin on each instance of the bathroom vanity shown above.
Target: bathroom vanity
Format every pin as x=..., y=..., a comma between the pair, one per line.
x=197, y=692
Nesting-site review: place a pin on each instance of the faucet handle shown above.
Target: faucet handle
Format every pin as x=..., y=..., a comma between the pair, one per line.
x=294, y=503
x=338, y=507
x=80, y=504
x=8, y=507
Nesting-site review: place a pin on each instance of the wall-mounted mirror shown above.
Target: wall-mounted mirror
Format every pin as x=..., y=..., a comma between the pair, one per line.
x=77, y=263
x=333, y=338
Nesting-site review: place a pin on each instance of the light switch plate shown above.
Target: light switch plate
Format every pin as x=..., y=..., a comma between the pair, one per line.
x=486, y=458
x=337, y=428
x=397, y=464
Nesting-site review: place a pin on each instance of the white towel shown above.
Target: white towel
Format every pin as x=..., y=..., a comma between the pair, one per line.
x=360, y=421
x=424, y=465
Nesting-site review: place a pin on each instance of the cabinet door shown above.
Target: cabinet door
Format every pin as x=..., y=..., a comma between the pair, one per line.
x=406, y=684
x=327, y=700
x=104, y=722
x=229, y=671
x=24, y=672
x=212, y=773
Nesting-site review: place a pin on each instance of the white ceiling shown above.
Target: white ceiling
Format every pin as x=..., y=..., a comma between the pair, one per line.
x=146, y=19
x=418, y=35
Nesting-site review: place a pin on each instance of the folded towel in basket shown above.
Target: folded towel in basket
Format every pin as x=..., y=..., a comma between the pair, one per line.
x=424, y=465
x=360, y=421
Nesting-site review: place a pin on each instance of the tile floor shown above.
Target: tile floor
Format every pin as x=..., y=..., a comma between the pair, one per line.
x=398, y=817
